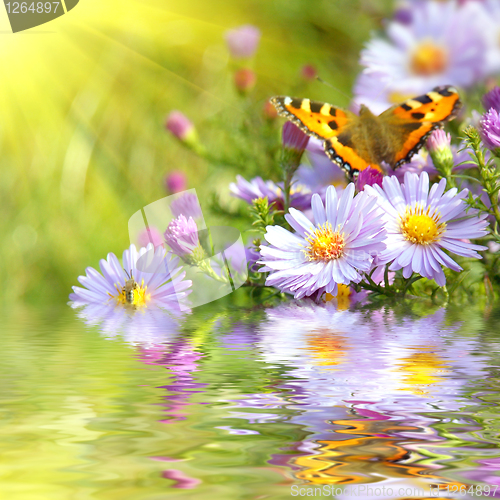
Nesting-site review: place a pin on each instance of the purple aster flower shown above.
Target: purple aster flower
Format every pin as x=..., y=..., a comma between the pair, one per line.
x=175, y=182
x=258, y=188
x=242, y=42
x=342, y=241
x=368, y=177
x=182, y=236
x=489, y=127
x=492, y=99
x=421, y=224
x=155, y=287
x=442, y=43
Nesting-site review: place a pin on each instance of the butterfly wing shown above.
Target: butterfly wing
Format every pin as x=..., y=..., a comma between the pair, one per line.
x=408, y=125
x=319, y=119
x=337, y=127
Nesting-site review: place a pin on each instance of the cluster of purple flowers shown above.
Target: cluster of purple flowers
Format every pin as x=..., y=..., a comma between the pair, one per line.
x=406, y=226
x=342, y=234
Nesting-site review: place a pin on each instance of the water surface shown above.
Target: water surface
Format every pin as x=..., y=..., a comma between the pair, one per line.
x=250, y=404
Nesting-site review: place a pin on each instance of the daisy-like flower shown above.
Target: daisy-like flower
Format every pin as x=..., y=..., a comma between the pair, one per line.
x=258, y=188
x=442, y=42
x=342, y=241
x=161, y=284
x=421, y=224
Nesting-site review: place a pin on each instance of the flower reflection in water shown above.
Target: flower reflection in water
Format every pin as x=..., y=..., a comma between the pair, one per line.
x=367, y=389
x=142, y=327
x=317, y=396
x=180, y=358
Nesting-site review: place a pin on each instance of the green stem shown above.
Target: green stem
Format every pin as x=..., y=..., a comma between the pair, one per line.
x=205, y=266
x=287, y=188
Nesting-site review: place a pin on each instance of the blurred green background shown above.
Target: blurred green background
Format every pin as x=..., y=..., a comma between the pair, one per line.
x=84, y=98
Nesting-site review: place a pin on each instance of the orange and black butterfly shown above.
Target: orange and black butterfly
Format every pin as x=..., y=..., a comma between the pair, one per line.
x=357, y=142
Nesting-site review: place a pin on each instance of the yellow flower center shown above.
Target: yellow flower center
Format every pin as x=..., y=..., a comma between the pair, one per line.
x=325, y=244
x=428, y=59
x=342, y=297
x=139, y=294
x=419, y=227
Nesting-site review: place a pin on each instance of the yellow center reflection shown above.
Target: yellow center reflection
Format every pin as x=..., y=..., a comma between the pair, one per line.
x=421, y=370
x=327, y=347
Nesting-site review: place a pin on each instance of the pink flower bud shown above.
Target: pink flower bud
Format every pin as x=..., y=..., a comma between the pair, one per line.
x=150, y=235
x=179, y=125
x=245, y=79
x=294, y=138
x=175, y=182
x=308, y=72
x=368, y=177
x=270, y=111
x=438, y=141
x=242, y=42
x=182, y=235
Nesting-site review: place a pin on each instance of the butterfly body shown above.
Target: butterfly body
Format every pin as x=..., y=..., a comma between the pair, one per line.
x=356, y=142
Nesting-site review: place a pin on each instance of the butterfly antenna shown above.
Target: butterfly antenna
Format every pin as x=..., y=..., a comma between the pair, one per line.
x=328, y=84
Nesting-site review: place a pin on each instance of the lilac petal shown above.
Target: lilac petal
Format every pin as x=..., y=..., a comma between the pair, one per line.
x=331, y=206
x=318, y=210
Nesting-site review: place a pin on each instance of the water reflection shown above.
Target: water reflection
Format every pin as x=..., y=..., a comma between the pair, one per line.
x=315, y=396
x=361, y=387
x=148, y=326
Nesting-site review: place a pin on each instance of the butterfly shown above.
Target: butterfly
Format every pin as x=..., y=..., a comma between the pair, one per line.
x=357, y=142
